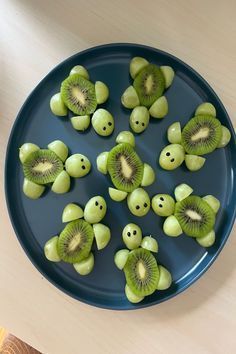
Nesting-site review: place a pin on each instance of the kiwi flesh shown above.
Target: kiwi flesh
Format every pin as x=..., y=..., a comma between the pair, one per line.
x=78, y=94
x=201, y=135
x=149, y=84
x=75, y=241
x=195, y=216
x=141, y=272
x=125, y=167
x=42, y=166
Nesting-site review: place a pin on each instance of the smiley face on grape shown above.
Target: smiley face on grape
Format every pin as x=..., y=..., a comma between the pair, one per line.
x=77, y=165
x=103, y=122
x=138, y=202
x=95, y=209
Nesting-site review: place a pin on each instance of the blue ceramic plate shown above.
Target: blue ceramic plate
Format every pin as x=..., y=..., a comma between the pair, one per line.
x=36, y=221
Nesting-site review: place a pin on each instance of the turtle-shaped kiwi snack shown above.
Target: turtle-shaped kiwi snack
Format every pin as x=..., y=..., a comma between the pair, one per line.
x=189, y=214
x=50, y=167
x=145, y=97
x=201, y=135
x=128, y=174
x=142, y=272
x=81, y=96
x=74, y=243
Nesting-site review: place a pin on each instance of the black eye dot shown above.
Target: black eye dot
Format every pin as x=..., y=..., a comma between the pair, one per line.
x=143, y=124
x=145, y=205
x=110, y=123
x=168, y=154
x=96, y=203
x=82, y=160
x=160, y=205
x=137, y=122
x=83, y=167
x=137, y=207
x=100, y=207
x=162, y=199
x=128, y=234
x=104, y=128
x=134, y=232
x=172, y=160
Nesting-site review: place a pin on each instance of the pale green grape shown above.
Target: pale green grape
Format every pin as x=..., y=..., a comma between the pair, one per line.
x=171, y=226
x=174, y=133
x=131, y=296
x=213, y=202
x=207, y=240
x=126, y=137
x=194, y=162
x=102, y=162
x=165, y=278
x=168, y=74
x=50, y=250
x=72, y=212
x=61, y=184
x=171, y=157
x=80, y=123
x=148, y=175
x=95, y=209
x=116, y=194
x=103, y=122
x=85, y=266
x=57, y=105
x=150, y=244
x=138, y=202
x=159, y=108
x=130, y=99
x=206, y=108
x=132, y=236
x=77, y=165
x=79, y=69
x=32, y=190
x=60, y=149
x=102, y=235
x=163, y=204
x=182, y=191
x=226, y=136
x=139, y=119
x=136, y=65
x=101, y=91
x=121, y=258
x=25, y=150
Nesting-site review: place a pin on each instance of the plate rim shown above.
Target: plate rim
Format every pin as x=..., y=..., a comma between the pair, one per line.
x=6, y=185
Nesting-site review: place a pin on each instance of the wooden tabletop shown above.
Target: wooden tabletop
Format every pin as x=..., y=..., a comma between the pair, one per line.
x=37, y=35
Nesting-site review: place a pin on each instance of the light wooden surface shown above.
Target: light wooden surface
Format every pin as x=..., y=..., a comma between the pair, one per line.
x=37, y=35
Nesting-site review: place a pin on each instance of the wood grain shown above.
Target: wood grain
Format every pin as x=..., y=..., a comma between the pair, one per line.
x=34, y=37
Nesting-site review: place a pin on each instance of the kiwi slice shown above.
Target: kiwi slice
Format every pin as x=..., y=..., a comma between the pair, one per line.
x=42, y=166
x=78, y=94
x=195, y=216
x=141, y=272
x=201, y=135
x=125, y=167
x=75, y=241
x=149, y=84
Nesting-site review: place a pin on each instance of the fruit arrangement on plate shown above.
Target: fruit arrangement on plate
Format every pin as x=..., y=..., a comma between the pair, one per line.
x=143, y=274
x=45, y=167
x=74, y=243
x=129, y=175
x=201, y=135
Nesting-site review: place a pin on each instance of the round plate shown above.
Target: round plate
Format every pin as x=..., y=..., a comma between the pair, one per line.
x=36, y=221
